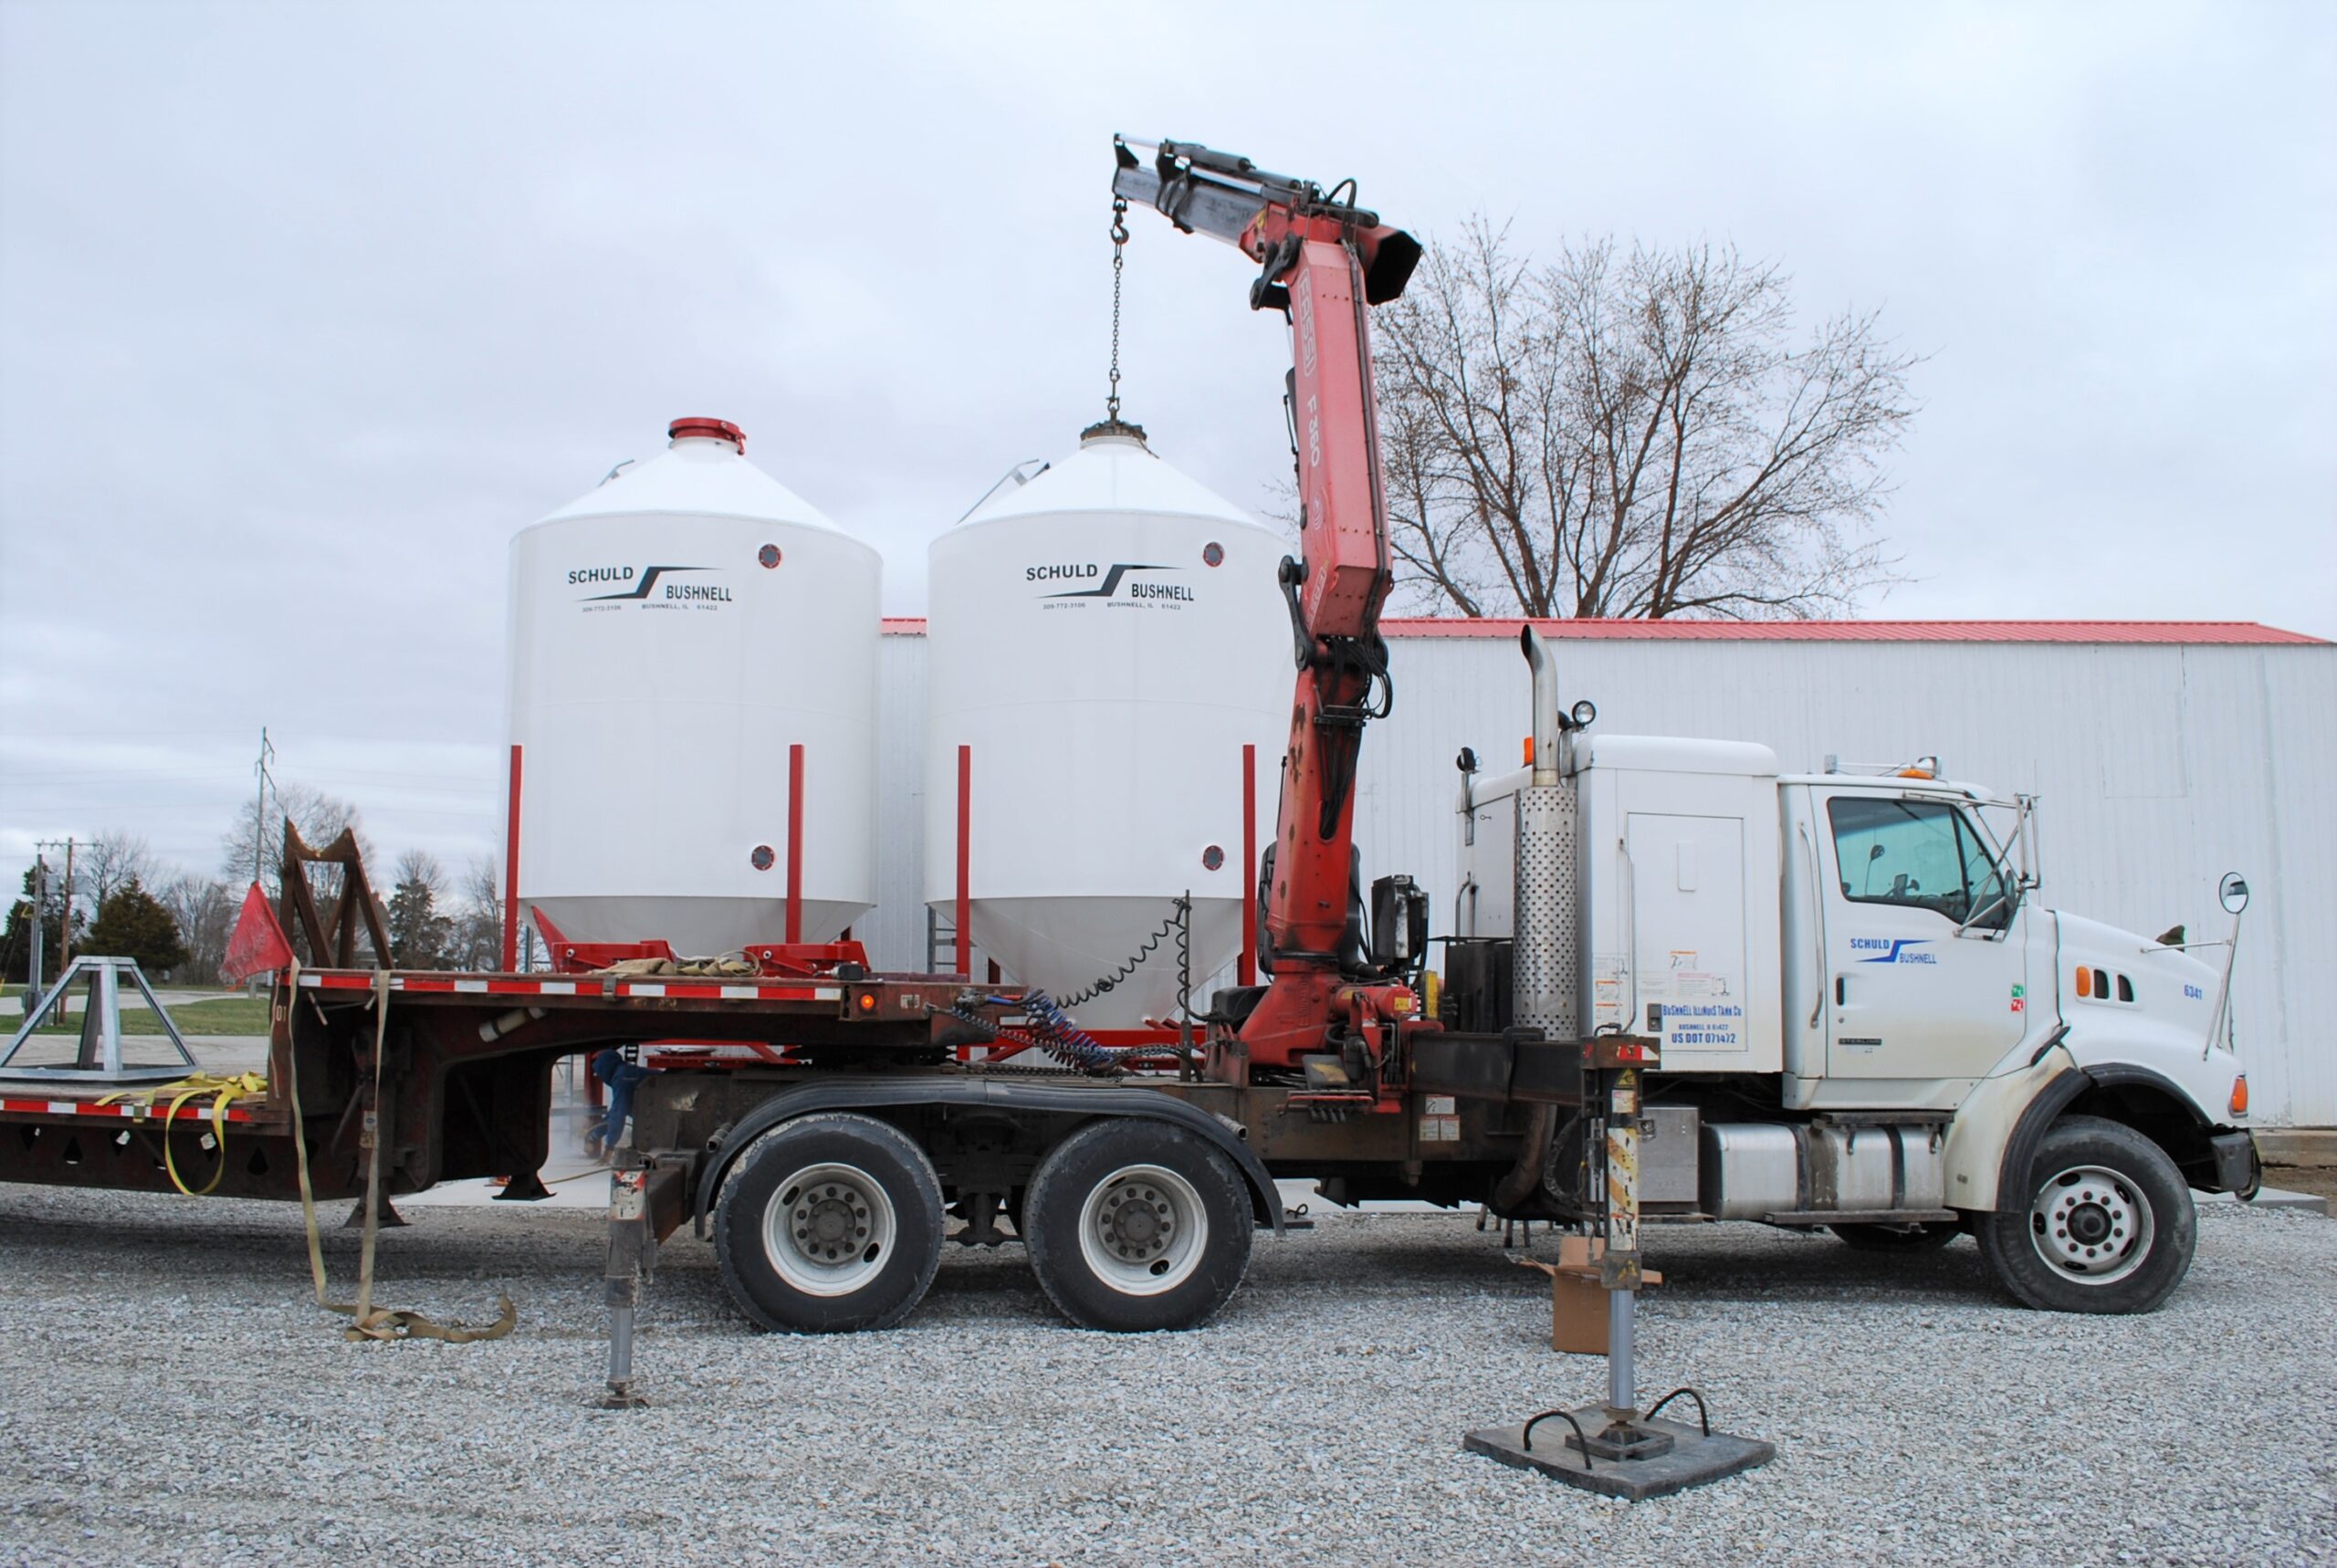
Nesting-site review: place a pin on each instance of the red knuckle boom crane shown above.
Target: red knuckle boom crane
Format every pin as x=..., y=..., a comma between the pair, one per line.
x=1324, y=262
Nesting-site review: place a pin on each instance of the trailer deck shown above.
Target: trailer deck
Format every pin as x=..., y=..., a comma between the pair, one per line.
x=467, y=1074
x=466, y=1078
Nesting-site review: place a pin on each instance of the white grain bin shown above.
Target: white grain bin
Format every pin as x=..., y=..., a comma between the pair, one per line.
x=1106, y=638
x=674, y=634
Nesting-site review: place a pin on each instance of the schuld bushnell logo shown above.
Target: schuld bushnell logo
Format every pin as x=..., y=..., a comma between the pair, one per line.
x=644, y=587
x=1111, y=577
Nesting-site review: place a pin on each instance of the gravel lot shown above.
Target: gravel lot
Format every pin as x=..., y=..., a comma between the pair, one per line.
x=167, y=1393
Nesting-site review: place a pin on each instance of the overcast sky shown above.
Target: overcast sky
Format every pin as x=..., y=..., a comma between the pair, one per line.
x=305, y=309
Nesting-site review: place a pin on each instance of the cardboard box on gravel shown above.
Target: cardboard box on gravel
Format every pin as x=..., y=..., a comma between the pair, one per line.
x=1577, y=1301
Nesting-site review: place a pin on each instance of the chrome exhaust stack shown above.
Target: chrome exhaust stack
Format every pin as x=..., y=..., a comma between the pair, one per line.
x=1547, y=726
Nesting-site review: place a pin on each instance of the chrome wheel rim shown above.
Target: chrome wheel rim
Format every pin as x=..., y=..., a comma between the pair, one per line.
x=1143, y=1230
x=2091, y=1225
x=829, y=1229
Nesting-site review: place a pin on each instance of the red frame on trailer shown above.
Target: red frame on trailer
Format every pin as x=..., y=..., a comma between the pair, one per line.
x=511, y=869
x=1246, y=973
x=794, y=844
x=965, y=860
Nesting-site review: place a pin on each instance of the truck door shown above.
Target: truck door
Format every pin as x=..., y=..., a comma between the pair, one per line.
x=1907, y=998
x=1687, y=916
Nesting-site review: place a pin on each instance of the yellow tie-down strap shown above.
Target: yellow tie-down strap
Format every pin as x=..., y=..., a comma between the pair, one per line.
x=380, y=1323
x=224, y=1092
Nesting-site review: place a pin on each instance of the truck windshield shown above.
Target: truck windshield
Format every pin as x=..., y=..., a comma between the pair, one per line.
x=1919, y=853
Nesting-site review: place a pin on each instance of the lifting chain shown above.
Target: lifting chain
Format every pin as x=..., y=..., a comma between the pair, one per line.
x=1119, y=262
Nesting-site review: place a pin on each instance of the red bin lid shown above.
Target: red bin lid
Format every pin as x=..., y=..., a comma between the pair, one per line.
x=718, y=429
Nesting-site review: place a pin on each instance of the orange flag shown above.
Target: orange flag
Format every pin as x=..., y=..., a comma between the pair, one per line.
x=259, y=942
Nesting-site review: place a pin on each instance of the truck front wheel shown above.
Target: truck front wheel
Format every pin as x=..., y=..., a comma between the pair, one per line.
x=831, y=1223
x=1136, y=1226
x=2106, y=1225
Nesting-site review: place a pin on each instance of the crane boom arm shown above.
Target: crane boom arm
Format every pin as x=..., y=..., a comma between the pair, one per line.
x=1324, y=263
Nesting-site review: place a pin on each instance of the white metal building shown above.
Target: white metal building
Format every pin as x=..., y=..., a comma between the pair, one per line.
x=2165, y=754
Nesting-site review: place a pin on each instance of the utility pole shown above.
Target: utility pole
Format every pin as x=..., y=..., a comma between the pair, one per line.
x=40, y=919
x=65, y=927
x=65, y=924
x=259, y=810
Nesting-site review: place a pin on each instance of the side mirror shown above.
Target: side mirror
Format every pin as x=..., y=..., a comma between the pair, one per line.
x=1875, y=853
x=2232, y=893
x=2025, y=834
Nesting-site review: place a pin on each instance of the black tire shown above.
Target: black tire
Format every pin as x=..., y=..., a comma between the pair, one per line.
x=1171, y=1219
x=1926, y=1236
x=2101, y=1223
x=853, y=1247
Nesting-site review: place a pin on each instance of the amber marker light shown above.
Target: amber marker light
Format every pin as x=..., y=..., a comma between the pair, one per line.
x=867, y=1001
x=2239, y=1095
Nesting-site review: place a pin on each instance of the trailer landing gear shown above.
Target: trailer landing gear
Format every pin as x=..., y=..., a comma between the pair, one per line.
x=1612, y=1447
x=645, y=1205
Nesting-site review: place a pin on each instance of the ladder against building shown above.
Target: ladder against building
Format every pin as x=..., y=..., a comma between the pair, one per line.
x=100, y=1056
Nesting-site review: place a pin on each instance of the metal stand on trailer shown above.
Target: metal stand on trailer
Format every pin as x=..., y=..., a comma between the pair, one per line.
x=1615, y=1447
x=99, y=1058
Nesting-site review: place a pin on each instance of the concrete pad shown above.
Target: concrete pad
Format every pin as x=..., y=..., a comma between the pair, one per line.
x=1694, y=1461
x=2297, y=1145
x=1297, y=1190
x=585, y=1187
x=227, y=1054
x=2272, y=1198
x=576, y=1179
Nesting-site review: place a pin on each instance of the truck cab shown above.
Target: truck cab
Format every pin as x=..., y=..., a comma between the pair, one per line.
x=1868, y=1018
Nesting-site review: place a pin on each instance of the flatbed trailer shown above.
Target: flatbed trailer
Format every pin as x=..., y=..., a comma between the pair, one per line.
x=468, y=1079
x=467, y=1074
x=893, y=1072
x=470, y=1058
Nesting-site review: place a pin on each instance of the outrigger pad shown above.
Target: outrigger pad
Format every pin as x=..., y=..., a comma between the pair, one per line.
x=1695, y=1459
x=527, y=1186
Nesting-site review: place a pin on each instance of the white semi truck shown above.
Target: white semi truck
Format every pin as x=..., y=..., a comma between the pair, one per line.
x=1834, y=998
x=1868, y=1019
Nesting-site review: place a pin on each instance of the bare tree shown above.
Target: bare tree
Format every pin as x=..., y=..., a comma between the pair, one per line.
x=320, y=818
x=1638, y=436
x=420, y=867
x=477, y=939
x=420, y=935
x=110, y=862
x=205, y=912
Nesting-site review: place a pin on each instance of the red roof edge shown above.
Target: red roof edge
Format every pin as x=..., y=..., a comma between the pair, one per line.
x=2158, y=632
x=2164, y=633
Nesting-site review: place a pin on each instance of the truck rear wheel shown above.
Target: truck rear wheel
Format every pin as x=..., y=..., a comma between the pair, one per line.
x=2102, y=1224
x=831, y=1223
x=1136, y=1226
